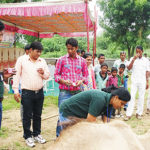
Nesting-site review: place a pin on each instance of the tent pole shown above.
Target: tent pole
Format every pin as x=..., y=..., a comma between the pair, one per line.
x=93, y=48
x=87, y=26
x=38, y=36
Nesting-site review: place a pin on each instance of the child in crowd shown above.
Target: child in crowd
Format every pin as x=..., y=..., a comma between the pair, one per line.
x=102, y=77
x=121, y=79
x=113, y=80
x=91, y=77
x=121, y=76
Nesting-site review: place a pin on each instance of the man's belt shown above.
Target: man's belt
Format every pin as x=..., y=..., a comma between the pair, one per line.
x=72, y=92
x=36, y=91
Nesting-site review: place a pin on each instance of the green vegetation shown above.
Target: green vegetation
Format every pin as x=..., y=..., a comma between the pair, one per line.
x=4, y=132
x=126, y=23
x=9, y=103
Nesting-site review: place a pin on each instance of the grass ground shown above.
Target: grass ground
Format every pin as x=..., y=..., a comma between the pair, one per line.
x=11, y=132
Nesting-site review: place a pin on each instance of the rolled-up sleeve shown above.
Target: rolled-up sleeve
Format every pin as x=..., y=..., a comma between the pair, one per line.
x=58, y=70
x=85, y=72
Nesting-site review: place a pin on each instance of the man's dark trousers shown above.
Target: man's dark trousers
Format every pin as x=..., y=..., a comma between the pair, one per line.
x=32, y=102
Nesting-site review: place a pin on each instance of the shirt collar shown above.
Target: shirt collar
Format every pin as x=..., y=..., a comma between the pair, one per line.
x=77, y=56
x=28, y=57
x=123, y=61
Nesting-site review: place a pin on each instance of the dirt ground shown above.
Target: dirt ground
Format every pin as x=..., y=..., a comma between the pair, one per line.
x=15, y=141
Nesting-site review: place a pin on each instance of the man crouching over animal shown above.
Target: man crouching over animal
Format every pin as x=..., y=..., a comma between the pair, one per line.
x=92, y=103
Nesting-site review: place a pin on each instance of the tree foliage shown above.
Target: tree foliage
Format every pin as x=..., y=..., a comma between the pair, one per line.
x=126, y=22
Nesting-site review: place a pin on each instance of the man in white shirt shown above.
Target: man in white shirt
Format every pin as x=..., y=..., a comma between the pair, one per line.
x=139, y=81
x=120, y=61
x=148, y=94
x=101, y=59
x=117, y=64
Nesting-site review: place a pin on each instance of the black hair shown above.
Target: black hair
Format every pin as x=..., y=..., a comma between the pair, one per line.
x=72, y=41
x=140, y=47
x=2, y=27
x=109, y=89
x=86, y=55
x=27, y=47
x=122, y=66
x=122, y=93
x=104, y=64
x=100, y=55
x=36, y=45
x=95, y=55
x=82, y=51
x=122, y=52
x=78, y=51
x=114, y=69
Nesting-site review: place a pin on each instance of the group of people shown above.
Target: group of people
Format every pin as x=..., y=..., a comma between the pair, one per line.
x=86, y=91
x=84, y=88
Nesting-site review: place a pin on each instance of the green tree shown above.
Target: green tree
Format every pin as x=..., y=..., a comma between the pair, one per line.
x=126, y=22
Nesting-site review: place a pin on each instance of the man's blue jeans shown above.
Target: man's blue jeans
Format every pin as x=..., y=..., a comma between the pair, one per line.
x=126, y=86
x=0, y=114
x=63, y=95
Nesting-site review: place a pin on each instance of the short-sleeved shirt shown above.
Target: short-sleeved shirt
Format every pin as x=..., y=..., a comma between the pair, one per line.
x=100, y=81
x=112, y=81
x=97, y=68
x=140, y=66
x=119, y=80
x=94, y=102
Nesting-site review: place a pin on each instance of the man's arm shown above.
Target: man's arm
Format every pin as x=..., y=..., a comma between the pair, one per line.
x=129, y=67
x=16, y=80
x=44, y=73
x=90, y=118
x=85, y=73
x=147, y=81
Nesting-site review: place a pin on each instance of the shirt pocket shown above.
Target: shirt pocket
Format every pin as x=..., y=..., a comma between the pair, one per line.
x=66, y=68
x=78, y=69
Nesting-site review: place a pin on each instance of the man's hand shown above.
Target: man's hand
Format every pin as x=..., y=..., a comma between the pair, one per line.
x=147, y=85
x=40, y=71
x=17, y=97
x=136, y=56
x=79, y=82
x=7, y=75
x=67, y=82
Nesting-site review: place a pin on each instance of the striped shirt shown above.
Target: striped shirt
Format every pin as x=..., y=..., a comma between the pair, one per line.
x=26, y=71
x=72, y=69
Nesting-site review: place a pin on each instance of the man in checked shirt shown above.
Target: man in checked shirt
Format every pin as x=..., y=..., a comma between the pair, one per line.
x=71, y=71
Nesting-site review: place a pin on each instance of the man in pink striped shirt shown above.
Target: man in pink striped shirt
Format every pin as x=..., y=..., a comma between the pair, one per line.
x=32, y=70
x=71, y=71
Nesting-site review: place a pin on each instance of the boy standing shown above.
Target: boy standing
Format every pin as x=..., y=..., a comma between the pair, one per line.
x=71, y=71
x=121, y=76
x=32, y=70
x=102, y=77
x=101, y=59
